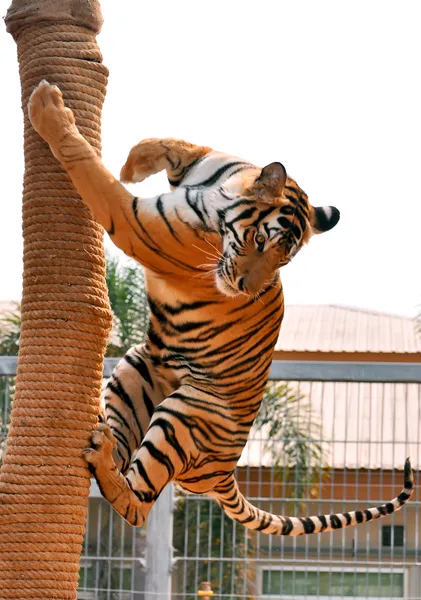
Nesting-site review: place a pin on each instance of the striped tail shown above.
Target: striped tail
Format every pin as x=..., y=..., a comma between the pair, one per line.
x=239, y=509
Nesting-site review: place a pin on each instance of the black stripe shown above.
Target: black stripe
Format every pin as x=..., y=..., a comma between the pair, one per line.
x=111, y=230
x=142, y=472
x=219, y=173
x=335, y=522
x=171, y=437
x=119, y=416
x=154, y=338
x=184, y=306
x=152, y=246
x=308, y=524
x=149, y=405
x=262, y=215
x=140, y=366
x=265, y=522
x=184, y=171
x=160, y=209
x=203, y=477
x=287, y=526
x=195, y=208
x=290, y=226
x=403, y=497
x=148, y=497
x=162, y=458
x=120, y=437
x=117, y=387
x=245, y=214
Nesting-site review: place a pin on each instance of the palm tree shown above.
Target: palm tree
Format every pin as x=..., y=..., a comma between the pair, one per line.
x=127, y=294
x=292, y=435
x=10, y=326
x=128, y=299
x=291, y=432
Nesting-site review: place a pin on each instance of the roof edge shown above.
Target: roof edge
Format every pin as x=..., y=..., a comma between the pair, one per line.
x=344, y=356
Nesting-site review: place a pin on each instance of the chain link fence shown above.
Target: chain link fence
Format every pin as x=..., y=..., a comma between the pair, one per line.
x=332, y=437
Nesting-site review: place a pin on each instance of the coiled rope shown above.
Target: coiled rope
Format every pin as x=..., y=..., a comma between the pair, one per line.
x=44, y=481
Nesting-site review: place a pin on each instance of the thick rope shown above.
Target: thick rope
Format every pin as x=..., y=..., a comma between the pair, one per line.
x=44, y=481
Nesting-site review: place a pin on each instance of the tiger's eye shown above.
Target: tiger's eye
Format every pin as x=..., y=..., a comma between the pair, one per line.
x=259, y=238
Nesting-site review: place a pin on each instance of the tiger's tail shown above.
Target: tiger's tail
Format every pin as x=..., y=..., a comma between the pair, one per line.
x=239, y=509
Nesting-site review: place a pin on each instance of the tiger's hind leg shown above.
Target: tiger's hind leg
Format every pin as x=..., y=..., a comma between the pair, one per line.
x=151, y=156
x=133, y=391
x=133, y=506
x=163, y=454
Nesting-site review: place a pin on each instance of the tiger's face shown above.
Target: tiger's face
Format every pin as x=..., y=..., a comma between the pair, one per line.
x=263, y=228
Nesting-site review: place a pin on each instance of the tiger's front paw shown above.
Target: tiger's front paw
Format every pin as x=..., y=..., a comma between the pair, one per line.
x=145, y=159
x=100, y=454
x=47, y=113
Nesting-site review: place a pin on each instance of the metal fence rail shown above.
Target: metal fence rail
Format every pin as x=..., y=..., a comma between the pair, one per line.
x=343, y=432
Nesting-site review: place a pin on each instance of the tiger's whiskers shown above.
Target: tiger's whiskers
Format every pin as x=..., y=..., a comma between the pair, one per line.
x=215, y=248
x=208, y=254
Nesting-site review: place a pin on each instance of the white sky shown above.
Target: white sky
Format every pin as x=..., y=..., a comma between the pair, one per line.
x=331, y=89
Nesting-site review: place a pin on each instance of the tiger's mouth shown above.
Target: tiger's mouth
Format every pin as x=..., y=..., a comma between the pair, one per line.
x=226, y=287
x=231, y=289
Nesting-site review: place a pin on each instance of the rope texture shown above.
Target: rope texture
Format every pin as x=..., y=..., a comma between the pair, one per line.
x=44, y=481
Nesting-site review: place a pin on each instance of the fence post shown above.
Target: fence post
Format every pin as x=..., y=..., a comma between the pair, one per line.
x=159, y=546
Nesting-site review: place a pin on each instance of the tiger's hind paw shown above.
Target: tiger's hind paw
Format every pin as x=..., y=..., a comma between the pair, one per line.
x=101, y=451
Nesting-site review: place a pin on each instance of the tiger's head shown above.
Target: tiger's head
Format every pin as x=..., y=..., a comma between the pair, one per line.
x=266, y=223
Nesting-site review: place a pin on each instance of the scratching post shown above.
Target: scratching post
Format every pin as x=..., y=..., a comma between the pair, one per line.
x=44, y=481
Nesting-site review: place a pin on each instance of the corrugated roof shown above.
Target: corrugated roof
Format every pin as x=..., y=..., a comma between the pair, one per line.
x=360, y=425
x=333, y=328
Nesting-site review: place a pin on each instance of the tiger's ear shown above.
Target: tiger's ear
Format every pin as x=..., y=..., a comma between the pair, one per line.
x=324, y=218
x=273, y=176
x=268, y=186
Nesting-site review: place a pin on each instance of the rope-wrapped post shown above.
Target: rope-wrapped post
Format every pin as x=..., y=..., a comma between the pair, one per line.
x=44, y=480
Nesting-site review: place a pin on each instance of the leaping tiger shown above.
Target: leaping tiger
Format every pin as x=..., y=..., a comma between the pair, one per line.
x=180, y=407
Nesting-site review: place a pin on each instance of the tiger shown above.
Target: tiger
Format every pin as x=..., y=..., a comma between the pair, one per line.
x=180, y=407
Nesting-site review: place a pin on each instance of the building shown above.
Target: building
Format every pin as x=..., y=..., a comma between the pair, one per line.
x=366, y=431
x=363, y=430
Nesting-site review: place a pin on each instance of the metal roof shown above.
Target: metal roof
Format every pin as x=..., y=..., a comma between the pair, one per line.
x=334, y=328
x=359, y=425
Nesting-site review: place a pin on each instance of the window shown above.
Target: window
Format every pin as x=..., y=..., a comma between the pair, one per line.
x=329, y=584
x=392, y=536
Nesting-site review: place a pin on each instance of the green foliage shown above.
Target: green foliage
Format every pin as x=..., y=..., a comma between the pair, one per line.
x=292, y=436
x=127, y=293
x=10, y=326
x=204, y=533
x=7, y=389
x=128, y=299
x=291, y=433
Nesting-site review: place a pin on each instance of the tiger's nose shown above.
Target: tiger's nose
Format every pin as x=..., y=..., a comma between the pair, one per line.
x=247, y=285
x=241, y=285
x=250, y=284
